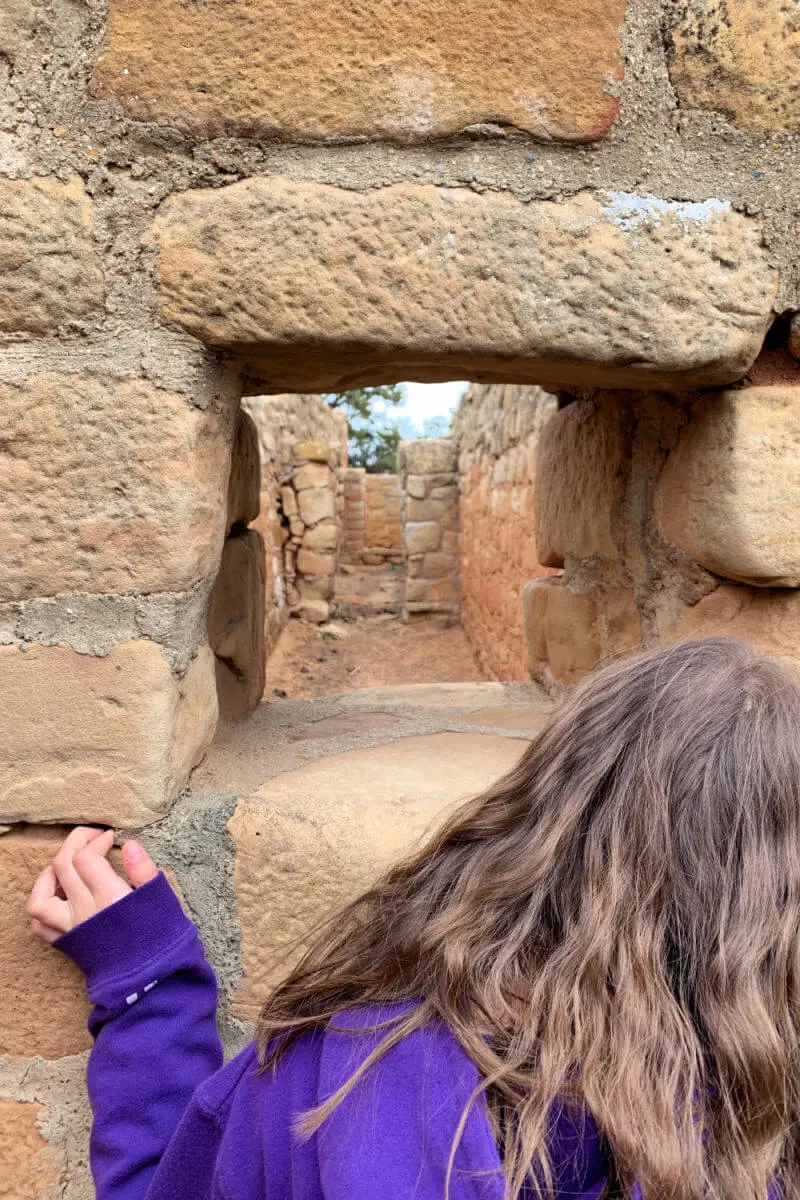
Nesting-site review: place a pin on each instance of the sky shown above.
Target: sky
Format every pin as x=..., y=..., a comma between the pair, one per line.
x=427, y=400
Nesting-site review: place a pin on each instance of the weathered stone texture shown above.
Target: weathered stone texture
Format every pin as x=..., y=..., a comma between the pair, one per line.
x=236, y=624
x=108, y=740
x=29, y=1168
x=410, y=71
x=447, y=283
x=43, y=1006
x=50, y=274
x=315, y=838
x=579, y=481
x=768, y=619
x=729, y=493
x=244, y=484
x=561, y=628
x=741, y=58
x=110, y=485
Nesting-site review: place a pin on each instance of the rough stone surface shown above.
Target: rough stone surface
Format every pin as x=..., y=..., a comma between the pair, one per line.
x=769, y=620
x=729, y=493
x=236, y=624
x=561, y=630
x=43, y=1006
x=740, y=58
x=50, y=273
x=29, y=1168
x=146, y=477
x=794, y=336
x=525, y=720
x=314, y=838
x=114, y=738
x=244, y=484
x=410, y=71
x=578, y=483
x=447, y=284
x=433, y=695
x=316, y=504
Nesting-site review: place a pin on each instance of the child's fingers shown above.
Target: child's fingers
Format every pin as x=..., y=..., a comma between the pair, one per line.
x=45, y=907
x=78, y=894
x=46, y=932
x=96, y=872
x=137, y=863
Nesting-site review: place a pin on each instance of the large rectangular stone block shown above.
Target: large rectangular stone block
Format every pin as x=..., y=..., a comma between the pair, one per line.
x=768, y=619
x=601, y=289
x=316, y=70
x=236, y=624
x=50, y=274
x=244, y=484
x=110, y=485
x=109, y=740
x=729, y=493
x=30, y=1169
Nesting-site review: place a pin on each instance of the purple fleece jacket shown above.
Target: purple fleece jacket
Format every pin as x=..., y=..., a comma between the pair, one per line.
x=171, y=1123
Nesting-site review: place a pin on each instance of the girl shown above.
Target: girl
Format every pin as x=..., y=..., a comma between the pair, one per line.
x=587, y=985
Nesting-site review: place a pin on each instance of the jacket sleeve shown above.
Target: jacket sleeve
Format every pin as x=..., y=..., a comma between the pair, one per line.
x=154, y=999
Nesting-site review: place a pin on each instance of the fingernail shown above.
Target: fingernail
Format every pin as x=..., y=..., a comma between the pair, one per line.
x=132, y=852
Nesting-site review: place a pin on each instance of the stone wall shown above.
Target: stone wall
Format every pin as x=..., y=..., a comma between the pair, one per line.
x=497, y=429
x=190, y=212
x=672, y=517
x=312, y=501
x=283, y=422
x=373, y=531
x=429, y=506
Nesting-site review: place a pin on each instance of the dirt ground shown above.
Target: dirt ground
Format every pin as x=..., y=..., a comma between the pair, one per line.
x=367, y=644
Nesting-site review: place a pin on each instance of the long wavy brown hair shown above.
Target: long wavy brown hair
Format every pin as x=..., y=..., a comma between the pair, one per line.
x=621, y=915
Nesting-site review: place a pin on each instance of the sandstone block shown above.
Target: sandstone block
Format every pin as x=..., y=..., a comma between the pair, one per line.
x=323, y=74
x=312, y=452
x=50, y=274
x=768, y=619
x=296, y=527
x=29, y=1168
x=147, y=491
x=333, y=827
x=450, y=542
x=561, y=629
x=493, y=290
x=315, y=587
x=323, y=537
x=313, y=609
x=310, y=562
x=416, y=487
x=729, y=493
x=316, y=504
x=424, y=456
x=370, y=558
x=43, y=1007
x=289, y=501
x=244, y=485
x=580, y=459
x=424, y=510
x=109, y=740
x=422, y=538
x=236, y=624
x=619, y=613
x=739, y=59
x=313, y=475
x=434, y=566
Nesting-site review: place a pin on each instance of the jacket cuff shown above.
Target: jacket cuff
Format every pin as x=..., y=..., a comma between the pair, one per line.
x=128, y=934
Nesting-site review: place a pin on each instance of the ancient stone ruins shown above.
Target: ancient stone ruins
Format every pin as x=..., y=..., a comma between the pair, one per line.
x=211, y=213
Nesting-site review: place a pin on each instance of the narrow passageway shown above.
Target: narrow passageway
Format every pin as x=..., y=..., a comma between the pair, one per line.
x=367, y=644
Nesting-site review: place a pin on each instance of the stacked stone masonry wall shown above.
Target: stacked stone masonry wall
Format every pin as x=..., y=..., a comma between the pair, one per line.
x=598, y=197
x=373, y=532
x=429, y=507
x=497, y=429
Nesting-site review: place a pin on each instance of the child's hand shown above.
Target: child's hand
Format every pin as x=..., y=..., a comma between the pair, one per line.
x=81, y=881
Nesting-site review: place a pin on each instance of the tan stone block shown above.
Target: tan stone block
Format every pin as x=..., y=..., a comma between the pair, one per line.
x=729, y=493
x=309, y=562
x=739, y=59
x=289, y=501
x=316, y=504
x=419, y=539
x=424, y=510
x=313, y=609
x=30, y=1169
x=315, y=587
x=434, y=566
x=496, y=294
x=767, y=618
x=297, y=527
x=43, y=1007
x=449, y=542
x=50, y=274
x=109, y=740
x=313, y=475
x=145, y=476
x=312, y=839
x=442, y=589
x=312, y=451
x=325, y=71
x=570, y=629
x=323, y=537
x=579, y=482
x=534, y=597
x=622, y=620
x=244, y=485
x=424, y=456
x=236, y=624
